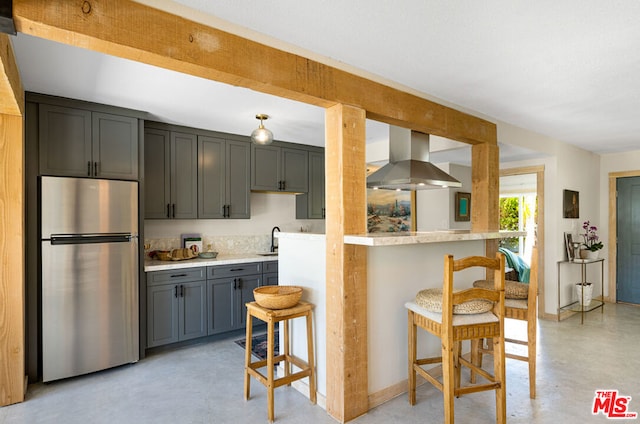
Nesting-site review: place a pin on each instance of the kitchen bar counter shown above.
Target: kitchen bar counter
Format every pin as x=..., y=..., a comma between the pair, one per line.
x=401, y=238
x=394, y=239
x=156, y=265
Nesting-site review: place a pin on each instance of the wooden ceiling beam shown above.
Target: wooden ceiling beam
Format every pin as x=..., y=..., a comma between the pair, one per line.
x=134, y=31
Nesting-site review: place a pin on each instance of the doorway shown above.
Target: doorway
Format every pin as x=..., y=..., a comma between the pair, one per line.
x=628, y=236
x=527, y=185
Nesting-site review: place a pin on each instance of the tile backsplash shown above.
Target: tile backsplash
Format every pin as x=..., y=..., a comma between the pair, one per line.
x=224, y=245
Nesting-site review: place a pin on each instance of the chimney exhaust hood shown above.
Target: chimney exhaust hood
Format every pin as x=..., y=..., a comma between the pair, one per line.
x=409, y=167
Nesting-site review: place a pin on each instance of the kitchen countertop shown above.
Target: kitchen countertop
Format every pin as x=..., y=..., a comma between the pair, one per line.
x=400, y=238
x=394, y=239
x=157, y=265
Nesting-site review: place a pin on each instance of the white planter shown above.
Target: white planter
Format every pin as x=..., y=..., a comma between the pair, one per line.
x=588, y=254
x=584, y=299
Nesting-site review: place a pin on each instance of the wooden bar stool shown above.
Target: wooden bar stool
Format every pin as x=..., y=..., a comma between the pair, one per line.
x=307, y=369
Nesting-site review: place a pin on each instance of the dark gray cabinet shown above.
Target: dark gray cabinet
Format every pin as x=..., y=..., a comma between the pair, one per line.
x=270, y=273
x=170, y=174
x=176, y=306
x=311, y=205
x=83, y=143
x=229, y=288
x=223, y=178
x=278, y=168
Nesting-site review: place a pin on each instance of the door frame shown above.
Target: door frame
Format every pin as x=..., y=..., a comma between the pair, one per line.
x=613, y=231
x=539, y=172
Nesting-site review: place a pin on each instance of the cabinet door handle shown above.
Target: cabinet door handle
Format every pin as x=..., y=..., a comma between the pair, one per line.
x=240, y=283
x=181, y=290
x=174, y=210
x=95, y=169
x=175, y=292
x=284, y=185
x=178, y=275
x=168, y=210
x=88, y=168
x=235, y=283
x=228, y=211
x=236, y=269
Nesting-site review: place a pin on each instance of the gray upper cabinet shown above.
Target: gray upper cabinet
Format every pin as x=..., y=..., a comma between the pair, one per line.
x=170, y=174
x=223, y=178
x=184, y=175
x=311, y=205
x=277, y=168
x=81, y=143
x=157, y=170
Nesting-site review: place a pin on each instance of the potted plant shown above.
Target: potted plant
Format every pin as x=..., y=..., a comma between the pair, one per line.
x=584, y=292
x=591, y=245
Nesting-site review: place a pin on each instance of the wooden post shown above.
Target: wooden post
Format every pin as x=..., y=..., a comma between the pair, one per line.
x=12, y=303
x=347, y=363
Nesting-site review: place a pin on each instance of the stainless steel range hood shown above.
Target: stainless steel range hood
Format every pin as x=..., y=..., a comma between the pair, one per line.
x=409, y=167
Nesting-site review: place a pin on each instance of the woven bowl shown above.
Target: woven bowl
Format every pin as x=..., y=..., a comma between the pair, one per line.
x=163, y=255
x=277, y=297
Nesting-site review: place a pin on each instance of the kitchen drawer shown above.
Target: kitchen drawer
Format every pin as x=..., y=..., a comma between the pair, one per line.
x=271, y=266
x=237, y=270
x=175, y=276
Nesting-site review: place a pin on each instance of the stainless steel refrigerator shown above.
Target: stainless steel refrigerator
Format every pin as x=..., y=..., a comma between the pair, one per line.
x=89, y=275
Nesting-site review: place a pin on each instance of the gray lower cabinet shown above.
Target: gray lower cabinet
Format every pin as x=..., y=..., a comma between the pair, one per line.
x=278, y=168
x=223, y=178
x=229, y=288
x=270, y=273
x=176, y=306
x=186, y=303
x=311, y=205
x=82, y=143
x=170, y=173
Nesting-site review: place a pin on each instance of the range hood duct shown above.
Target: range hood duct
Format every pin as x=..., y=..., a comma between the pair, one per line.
x=409, y=167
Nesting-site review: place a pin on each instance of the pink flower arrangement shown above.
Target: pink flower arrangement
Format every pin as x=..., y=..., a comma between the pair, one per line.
x=591, y=237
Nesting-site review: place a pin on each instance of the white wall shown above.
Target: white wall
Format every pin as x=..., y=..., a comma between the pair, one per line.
x=566, y=167
x=435, y=208
x=267, y=211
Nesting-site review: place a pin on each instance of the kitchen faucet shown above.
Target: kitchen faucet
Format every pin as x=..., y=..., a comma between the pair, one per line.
x=273, y=245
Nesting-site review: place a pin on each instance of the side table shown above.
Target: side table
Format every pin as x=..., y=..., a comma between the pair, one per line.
x=575, y=306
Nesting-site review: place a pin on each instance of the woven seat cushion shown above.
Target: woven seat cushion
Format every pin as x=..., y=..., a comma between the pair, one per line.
x=458, y=320
x=431, y=300
x=516, y=303
x=512, y=289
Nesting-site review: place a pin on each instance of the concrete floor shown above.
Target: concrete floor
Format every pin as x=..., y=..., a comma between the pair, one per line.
x=203, y=383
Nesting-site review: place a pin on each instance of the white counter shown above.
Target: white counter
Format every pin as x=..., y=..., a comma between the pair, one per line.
x=394, y=239
x=156, y=265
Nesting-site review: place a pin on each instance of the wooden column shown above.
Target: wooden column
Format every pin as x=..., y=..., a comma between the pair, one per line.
x=347, y=364
x=485, y=191
x=485, y=187
x=12, y=385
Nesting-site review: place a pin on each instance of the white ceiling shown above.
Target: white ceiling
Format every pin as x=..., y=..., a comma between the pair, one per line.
x=568, y=70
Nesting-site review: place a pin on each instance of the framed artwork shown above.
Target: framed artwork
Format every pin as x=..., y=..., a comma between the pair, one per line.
x=463, y=206
x=390, y=211
x=571, y=204
x=568, y=244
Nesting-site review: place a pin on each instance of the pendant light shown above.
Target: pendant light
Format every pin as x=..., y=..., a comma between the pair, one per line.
x=261, y=135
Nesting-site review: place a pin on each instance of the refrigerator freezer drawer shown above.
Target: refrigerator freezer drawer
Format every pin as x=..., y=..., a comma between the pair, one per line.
x=88, y=206
x=89, y=307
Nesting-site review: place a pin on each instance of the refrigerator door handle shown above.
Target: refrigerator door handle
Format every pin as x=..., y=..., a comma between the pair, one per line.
x=60, y=239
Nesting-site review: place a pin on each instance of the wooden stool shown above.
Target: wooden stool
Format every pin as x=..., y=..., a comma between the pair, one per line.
x=307, y=369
